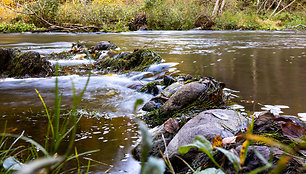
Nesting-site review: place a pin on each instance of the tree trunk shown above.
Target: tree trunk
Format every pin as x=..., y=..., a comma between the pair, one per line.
x=215, y=8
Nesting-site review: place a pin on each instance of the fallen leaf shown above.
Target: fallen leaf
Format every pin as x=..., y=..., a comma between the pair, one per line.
x=229, y=140
x=171, y=125
x=291, y=130
x=264, y=118
x=217, y=141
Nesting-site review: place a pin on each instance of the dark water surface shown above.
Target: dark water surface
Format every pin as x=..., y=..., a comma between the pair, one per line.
x=268, y=68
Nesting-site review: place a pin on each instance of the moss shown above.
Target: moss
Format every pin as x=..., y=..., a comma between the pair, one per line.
x=139, y=60
x=212, y=98
x=150, y=87
x=29, y=64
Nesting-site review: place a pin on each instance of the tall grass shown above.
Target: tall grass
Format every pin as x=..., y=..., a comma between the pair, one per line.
x=59, y=129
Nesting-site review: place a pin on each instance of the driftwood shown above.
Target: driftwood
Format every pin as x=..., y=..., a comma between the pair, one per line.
x=300, y=25
x=69, y=28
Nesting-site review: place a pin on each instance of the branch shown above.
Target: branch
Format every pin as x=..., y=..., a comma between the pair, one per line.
x=284, y=8
x=17, y=11
x=276, y=8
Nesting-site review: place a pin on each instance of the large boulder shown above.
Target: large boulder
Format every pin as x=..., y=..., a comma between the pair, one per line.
x=105, y=45
x=185, y=95
x=209, y=123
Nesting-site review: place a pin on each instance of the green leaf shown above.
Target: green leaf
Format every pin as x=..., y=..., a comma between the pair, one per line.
x=231, y=157
x=154, y=166
x=199, y=142
x=138, y=102
x=146, y=143
x=211, y=171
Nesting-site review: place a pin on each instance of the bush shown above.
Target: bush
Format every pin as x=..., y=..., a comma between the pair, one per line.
x=17, y=27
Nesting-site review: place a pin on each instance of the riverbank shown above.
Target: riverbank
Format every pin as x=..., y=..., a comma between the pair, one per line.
x=118, y=16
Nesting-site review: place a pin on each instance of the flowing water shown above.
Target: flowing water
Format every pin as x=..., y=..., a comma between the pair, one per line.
x=264, y=68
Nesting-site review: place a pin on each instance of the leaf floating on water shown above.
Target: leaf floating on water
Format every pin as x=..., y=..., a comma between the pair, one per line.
x=171, y=125
x=217, y=141
x=291, y=130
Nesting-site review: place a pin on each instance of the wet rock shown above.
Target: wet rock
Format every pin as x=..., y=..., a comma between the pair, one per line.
x=185, y=95
x=160, y=136
x=204, y=22
x=168, y=80
x=29, y=64
x=209, y=124
x=139, y=60
x=170, y=90
x=151, y=105
x=14, y=63
x=105, y=45
x=5, y=57
x=150, y=88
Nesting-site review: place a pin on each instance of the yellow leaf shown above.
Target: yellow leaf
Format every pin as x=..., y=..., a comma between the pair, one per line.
x=217, y=141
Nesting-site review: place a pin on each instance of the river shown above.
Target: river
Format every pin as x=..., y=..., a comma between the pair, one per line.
x=264, y=68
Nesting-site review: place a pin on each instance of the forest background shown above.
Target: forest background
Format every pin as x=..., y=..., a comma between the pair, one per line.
x=129, y=15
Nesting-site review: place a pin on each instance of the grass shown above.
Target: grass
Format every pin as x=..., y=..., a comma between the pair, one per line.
x=17, y=27
x=59, y=129
x=117, y=15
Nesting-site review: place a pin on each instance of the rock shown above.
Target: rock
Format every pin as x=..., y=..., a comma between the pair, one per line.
x=5, y=57
x=205, y=22
x=29, y=64
x=14, y=63
x=158, y=142
x=150, y=106
x=185, y=95
x=168, y=80
x=139, y=60
x=207, y=124
x=170, y=90
x=105, y=45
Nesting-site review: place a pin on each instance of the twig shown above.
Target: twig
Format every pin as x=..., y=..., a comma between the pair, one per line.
x=17, y=11
x=167, y=156
x=276, y=8
x=284, y=8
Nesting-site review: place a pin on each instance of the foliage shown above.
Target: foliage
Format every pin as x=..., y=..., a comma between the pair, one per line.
x=17, y=27
x=148, y=164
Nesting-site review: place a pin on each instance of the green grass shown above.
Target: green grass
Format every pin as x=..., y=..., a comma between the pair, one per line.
x=17, y=27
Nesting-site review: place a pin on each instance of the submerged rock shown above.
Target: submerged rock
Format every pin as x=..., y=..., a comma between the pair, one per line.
x=18, y=64
x=105, y=45
x=209, y=124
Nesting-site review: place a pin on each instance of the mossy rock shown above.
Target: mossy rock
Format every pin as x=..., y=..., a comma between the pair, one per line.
x=139, y=60
x=5, y=57
x=29, y=64
x=211, y=98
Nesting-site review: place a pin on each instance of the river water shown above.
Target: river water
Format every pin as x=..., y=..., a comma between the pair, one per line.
x=264, y=68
